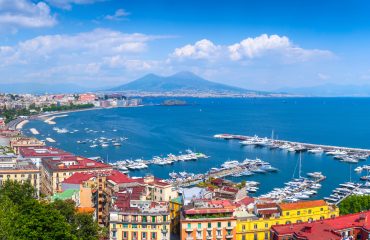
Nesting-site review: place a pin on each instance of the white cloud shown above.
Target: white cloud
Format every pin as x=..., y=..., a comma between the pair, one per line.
x=67, y=4
x=118, y=15
x=251, y=48
x=203, y=49
x=97, y=43
x=25, y=13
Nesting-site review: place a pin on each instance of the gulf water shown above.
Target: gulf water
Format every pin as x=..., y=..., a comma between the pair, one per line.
x=160, y=130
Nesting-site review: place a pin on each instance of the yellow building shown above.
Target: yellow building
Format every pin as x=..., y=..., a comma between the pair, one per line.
x=175, y=211
x=134, y=218
x=256, y=226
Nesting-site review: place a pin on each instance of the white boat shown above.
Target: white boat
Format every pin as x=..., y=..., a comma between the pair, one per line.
x=358, y=169
x=93, y=146
x=315, y=175
x=105, y=145
x=116, y=144
x=230, y=164
x=316, y=150
x=336, y=152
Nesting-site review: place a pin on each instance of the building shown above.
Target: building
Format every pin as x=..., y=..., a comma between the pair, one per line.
x=36, y=154
x=352, y=226
x=158, y=189
x=208, y=219
x=18, y=142
x=87, y=97
x=134, y=217
x=95, y=190
x=55, y=171
x=256, y=225
x=175, y=214
x=21, y=171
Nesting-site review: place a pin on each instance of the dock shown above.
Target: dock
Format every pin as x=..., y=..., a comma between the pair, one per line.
x=326, y=148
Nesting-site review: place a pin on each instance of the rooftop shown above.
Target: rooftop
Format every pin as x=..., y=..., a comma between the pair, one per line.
x=73, y=163
x=302, y=205
x=113, y=175
x=325, y=229
x=42, y=151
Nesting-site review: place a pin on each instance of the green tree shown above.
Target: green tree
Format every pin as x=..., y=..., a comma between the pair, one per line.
x=354, y=204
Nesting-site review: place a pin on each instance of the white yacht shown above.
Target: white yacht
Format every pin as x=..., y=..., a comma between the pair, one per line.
x=316, y=150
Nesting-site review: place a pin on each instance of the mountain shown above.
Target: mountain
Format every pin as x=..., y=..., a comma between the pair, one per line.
x=40, y=88
x=330, y=90
x=179, y=82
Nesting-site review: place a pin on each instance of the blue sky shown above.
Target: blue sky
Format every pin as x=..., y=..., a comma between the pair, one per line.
x=263, y=45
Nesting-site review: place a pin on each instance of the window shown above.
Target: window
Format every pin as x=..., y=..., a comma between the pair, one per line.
x=310, y=219
x=199, y=225
x=322, y=218
x=134, y=225
x=287, y=213
x=243, y=237
x=153, y=235
x=164, y=218
x=143, y=235
x=189, y=225
x=299, y=221
x=255, y=237
x=114, y=234
x=209, y=225
x=243, y=227
x=125, y=234
x=153, y=218
x=229, y=224
x=288, y=222
x=266, y=225
x=219, y=224
x=143, y=219
x=309, y=211
x=266, y=235
x=321, y=209
x=255, y=226
x=298, y=212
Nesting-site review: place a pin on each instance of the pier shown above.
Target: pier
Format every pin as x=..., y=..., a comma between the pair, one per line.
x=326, y=148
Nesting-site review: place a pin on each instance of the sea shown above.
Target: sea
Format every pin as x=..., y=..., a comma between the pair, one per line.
x=159, y=130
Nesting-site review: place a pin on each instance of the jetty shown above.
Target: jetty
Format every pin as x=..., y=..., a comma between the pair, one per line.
x=304, y=146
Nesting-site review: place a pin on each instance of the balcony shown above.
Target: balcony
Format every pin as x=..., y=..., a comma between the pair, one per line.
x=219, y=237
x=229, y=228
x=164, y=231
x=189, y=238
x=209, y=237
x=188, y=230
x=229, y=236
x=199, y=237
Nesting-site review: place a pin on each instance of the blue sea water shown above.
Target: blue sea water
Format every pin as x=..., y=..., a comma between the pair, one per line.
x=159, y=130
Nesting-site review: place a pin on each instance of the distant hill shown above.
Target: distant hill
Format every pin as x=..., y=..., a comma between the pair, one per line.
x=179, y=82
x=330, y=90
x=40, y=88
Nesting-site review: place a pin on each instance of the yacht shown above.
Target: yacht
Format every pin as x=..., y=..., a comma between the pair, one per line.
x=116, y=144
x=93, y=146
x=268, y=168
x=105, y=145
x=315, y=175
x=336, y=152
x=230, y=164
x=316, y=150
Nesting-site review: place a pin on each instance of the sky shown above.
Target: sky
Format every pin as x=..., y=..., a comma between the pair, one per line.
x=254, y=44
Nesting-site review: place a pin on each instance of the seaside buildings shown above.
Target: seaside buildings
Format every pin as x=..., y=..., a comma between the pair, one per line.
x=55, y=171
x=18, y=142
x=247, y=219
x=135, y=216
x=352, y=226
x=14, y=169
x=255, y=225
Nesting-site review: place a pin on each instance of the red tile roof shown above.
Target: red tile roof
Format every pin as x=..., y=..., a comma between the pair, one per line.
x=42, y=151
x=246, y=201
x=78, y=163
x=325, y=229
x=114, y=175
x=302, y=205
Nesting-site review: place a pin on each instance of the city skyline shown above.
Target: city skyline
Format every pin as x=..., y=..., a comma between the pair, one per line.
x=261, y=46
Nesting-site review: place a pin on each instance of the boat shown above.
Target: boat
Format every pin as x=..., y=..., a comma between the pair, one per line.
x=93, y=146
x=316, y=150
x=105, y=145
x=315, y=175
x=268, y=168
x=257, y=170
x=358, y=169
x=336, y=152
x=116, y=144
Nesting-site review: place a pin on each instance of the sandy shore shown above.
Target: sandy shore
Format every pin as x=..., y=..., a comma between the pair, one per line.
x=21, y=124
x=50, y=120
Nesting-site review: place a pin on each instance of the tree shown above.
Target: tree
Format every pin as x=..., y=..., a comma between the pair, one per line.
x=354, y=204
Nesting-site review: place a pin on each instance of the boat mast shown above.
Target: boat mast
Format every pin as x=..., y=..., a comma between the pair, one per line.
x=300, y=164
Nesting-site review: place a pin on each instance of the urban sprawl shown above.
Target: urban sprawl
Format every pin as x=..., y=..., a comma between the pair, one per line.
x=149, y=208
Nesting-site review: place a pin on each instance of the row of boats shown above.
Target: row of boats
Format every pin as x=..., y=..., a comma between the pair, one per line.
x=297, y=189
x=340, y=154
x=138, y=164
x=249, y=167
x=346, y=189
